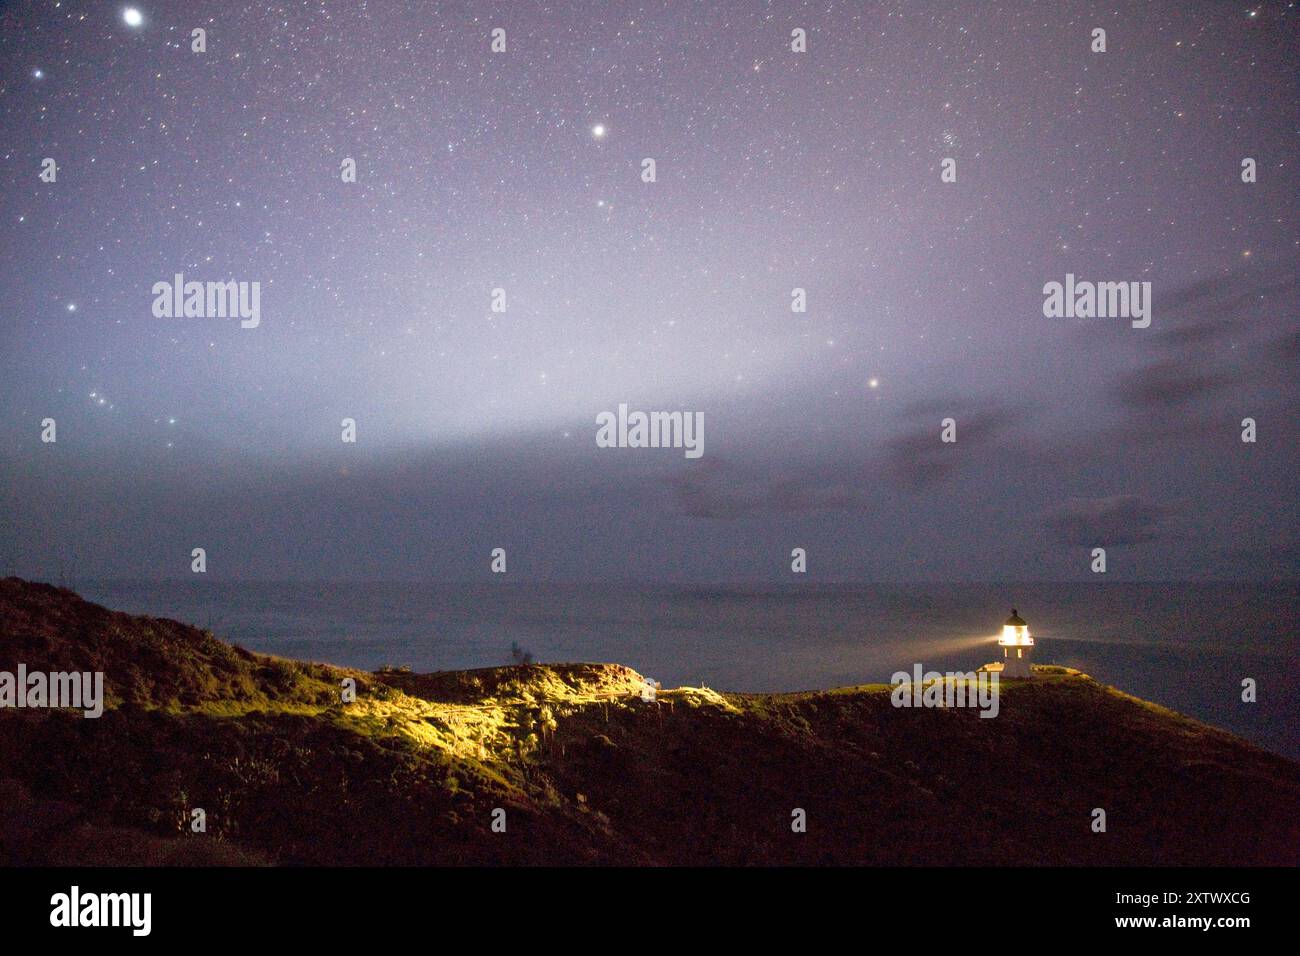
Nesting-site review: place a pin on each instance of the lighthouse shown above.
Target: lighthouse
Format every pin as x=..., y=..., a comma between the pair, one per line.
x=1017, y=647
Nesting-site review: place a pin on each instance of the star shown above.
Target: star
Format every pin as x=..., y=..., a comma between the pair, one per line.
x=650, y=302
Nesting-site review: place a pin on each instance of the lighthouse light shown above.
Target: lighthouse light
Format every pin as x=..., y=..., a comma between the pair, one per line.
x=1016, y=635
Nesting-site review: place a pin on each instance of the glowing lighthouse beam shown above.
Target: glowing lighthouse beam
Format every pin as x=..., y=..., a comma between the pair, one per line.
x=1015, y=635
x=1017, y=647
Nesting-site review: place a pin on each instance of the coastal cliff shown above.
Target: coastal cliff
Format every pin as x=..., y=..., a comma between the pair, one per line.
x=566, y=764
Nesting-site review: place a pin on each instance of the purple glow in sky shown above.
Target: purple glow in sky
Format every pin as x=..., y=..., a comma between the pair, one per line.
x=522, y=170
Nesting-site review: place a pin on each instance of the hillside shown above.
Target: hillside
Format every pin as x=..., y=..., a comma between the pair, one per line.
x=411, y=772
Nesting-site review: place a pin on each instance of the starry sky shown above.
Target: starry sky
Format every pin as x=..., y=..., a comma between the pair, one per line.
x=775, y=170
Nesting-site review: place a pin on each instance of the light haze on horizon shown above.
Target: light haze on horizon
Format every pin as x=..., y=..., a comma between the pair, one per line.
x=775, y=170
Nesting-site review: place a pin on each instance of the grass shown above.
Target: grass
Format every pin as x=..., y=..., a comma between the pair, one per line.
x=588, y=773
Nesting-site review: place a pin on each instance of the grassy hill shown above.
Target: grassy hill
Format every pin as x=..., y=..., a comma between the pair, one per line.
x=411, y=772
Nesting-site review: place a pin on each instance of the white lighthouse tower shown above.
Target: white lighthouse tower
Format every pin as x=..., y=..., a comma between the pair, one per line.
x=1017, y=647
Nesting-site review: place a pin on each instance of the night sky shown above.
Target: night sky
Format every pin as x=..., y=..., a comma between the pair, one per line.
x=775, y=170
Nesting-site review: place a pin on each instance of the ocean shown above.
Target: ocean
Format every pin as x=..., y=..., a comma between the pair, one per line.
x=1186, y=646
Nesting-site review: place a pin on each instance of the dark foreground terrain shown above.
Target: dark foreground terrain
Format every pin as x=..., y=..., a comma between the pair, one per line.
x=413, y=770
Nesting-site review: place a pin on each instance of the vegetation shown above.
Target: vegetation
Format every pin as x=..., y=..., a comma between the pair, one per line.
x=411, y=772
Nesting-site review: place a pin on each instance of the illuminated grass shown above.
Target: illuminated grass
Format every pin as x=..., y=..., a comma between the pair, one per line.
x=589, y=773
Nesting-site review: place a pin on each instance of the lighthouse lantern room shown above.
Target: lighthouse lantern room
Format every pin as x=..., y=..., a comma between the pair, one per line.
x=1017, y=647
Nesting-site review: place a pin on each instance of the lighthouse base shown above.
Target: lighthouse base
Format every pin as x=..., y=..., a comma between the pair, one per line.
x=1015, y=662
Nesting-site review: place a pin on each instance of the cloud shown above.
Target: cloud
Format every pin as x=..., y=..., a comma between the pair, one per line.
x=913, y=459
x=1213, y=343
x=1231, y=292
x=917, y=458
x=1211, y=337
x=1207, y=312
x=1107, y=522
x=1168, y=384
x=720, y=490
x=1276, y=557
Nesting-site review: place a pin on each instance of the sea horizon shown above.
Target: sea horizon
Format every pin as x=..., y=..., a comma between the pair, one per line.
x=1187, y=646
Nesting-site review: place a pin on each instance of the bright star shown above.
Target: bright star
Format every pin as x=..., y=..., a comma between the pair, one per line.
x=38, y=74
x=133, y=17
x=598, y=131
